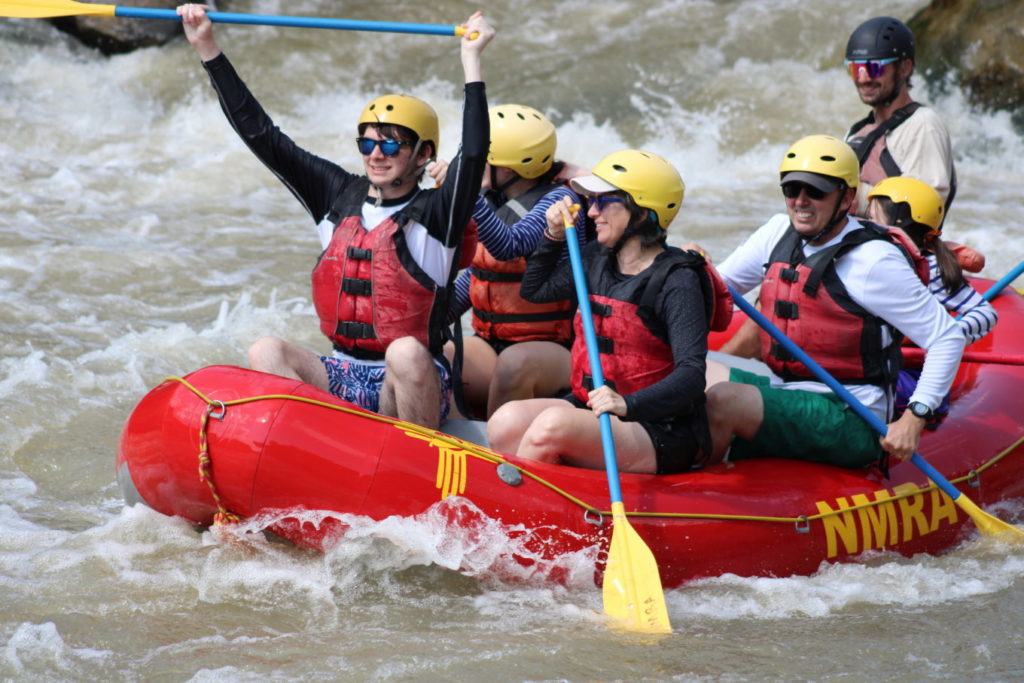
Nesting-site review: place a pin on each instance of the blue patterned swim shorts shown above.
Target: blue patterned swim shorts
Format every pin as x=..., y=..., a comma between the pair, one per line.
x=360, y=383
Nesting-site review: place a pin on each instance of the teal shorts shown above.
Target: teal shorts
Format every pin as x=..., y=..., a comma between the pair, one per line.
x=805, y=425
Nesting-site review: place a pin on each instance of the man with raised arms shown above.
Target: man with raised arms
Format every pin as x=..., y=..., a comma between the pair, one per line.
x=390, y=249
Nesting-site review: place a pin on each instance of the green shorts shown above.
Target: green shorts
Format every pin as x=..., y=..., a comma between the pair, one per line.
x=805, y=425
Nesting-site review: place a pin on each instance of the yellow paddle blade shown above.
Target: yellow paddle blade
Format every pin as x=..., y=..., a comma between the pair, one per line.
x=45, y=9
x=988, y=524
x=632, y=586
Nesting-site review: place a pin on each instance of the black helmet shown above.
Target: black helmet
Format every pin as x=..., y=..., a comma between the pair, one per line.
x=881, y=38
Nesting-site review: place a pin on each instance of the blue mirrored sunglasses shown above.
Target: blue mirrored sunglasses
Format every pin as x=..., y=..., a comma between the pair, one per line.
x=603, y=200
x=388, y=147
x=874, y=67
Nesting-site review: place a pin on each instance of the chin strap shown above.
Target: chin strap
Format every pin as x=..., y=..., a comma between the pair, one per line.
x=410, y=171
x=836, y=217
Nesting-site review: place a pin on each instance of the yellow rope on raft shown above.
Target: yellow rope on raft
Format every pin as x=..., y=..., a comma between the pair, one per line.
x=223, y=516
x=488, y=455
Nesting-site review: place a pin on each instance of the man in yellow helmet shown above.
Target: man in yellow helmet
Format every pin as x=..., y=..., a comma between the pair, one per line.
x=391, y=250
x=843, y=291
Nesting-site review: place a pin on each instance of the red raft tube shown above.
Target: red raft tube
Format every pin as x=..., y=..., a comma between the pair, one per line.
x=226, y=442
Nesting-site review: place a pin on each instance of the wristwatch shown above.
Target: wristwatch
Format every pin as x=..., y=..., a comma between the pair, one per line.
x=920, y=410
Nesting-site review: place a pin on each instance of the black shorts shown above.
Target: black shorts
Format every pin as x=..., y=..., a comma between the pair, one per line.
x=680, y=444
x=500, y=345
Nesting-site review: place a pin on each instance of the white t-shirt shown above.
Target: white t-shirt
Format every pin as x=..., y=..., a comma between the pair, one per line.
x=878, y=278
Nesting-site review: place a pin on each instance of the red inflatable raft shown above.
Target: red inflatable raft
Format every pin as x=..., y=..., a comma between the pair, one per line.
x=233, y=442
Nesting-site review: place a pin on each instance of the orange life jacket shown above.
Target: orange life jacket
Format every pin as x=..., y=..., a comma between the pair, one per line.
x=499, y=312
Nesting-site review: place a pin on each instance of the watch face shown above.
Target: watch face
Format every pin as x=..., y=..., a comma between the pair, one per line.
x=919, y=409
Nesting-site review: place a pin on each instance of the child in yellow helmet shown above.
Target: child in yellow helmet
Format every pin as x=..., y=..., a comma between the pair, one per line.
x=915, y=207
x=519, y=349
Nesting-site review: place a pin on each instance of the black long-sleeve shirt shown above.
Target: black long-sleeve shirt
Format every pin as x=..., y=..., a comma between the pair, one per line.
x=679, y=308
x=316, y=182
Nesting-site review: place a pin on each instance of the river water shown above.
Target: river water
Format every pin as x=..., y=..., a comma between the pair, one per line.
x=139, y=239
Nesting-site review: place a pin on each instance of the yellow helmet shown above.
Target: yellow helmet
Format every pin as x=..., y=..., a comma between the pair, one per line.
x=522, y=139
x=650, y=180
x=926, y=205
x=823, y=155
x=404, y=110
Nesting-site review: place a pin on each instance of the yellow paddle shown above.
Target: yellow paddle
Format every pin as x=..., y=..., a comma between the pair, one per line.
x=632, y=586
x=46, y=9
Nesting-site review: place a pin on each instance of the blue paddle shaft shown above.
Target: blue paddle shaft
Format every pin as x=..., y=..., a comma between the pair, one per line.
x=1001, y=284
x=605, y=420
x=838, y=388
x=295, y=22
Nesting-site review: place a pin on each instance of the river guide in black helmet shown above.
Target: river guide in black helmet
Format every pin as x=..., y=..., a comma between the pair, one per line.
x=390, y=249
x=880, y=38
x=899, y=136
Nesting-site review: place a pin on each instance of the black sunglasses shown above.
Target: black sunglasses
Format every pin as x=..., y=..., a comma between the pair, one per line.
x=388, y=147
x=792, y=191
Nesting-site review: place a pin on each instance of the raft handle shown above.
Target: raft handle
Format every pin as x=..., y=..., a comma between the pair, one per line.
x=596, y=521
x=220, y=412
x=803, y=525
x=973, y=479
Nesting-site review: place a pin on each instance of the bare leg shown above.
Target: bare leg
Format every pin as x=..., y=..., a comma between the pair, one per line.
x=572, y=436
x=733, y=410
x=412, y=385
x=478, y=359
x=537, y=369
x=552, y=430
x=278, y=357
x=508, y=424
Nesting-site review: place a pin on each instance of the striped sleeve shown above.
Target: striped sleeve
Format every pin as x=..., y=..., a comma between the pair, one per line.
x=507, y=242
x=976, y=316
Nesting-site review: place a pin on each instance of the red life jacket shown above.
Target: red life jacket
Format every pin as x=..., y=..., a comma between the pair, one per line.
x=368, y=291
x=805, y=298
x=499, y=312
x=868, y=140
x=634, y=351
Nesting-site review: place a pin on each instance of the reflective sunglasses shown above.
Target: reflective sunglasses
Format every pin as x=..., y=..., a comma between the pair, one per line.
x=388, y=147
x=874, y=67
x=602, y=200
x=793, y=190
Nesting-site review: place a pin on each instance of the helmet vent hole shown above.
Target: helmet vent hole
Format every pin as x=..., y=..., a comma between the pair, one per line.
x=619, y=167
x=527, y=160
x=373, y=106
x=521, y=117
x=391, y=107
x=501, y=115
x=672, y=205
x=828, y=158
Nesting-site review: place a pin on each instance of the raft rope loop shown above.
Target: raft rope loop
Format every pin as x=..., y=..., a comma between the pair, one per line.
x=218, y=410
x=592, y=513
